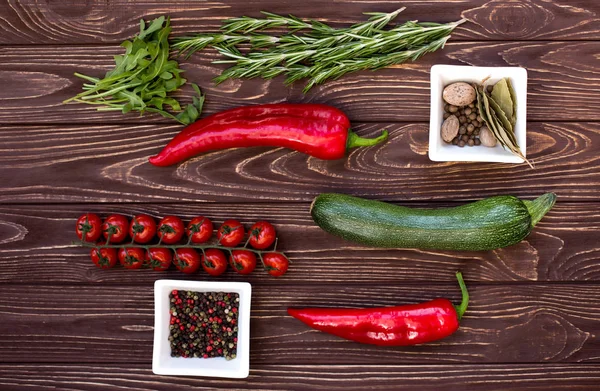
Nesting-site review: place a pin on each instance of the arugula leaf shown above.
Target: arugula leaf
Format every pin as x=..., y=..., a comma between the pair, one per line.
x=142, y=78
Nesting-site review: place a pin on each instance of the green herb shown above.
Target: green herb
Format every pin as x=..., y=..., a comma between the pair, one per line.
x=513, y=96
x=501, y=94
x=494, y=115
x=319, y=54
x=142, y=78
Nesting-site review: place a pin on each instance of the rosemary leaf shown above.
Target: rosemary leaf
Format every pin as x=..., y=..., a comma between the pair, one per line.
x=314, y=50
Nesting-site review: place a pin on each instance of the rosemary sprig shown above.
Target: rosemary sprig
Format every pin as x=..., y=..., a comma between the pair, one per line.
x=321, y=53
x=321, y=35
x=363, y=49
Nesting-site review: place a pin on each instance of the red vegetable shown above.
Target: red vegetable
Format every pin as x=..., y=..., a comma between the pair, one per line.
x=132, y=257
x=200, y=229
x=187, y=260
x=389, y=326
x=142, y=228
x=231, y=233
x=242, y=261
x=317, y=130
x=91, y=224
x=104, y=258
x=276, y=264
x=115, y=228
x=262, y=235
x=170, y=230
x=159, y=258
x=214, y=262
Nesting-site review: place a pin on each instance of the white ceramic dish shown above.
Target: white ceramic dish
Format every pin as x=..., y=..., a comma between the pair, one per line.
x=441, y=76
x=164, y=364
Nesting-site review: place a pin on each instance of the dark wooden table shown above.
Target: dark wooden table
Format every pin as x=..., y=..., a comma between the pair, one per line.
x=534, y=318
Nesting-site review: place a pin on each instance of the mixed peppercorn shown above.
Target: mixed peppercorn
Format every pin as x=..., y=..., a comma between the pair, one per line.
x=203, y=324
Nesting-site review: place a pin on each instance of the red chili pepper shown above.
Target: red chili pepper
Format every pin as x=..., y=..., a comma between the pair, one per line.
x=317, y=130
x=389, y=326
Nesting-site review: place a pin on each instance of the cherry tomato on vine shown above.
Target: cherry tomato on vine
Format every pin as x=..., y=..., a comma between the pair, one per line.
x=104, y=258
x=262, y=235
x=132, y=257
x=170, y=229
x=231, y=233
x=187, y=260
x=142, y=228
x=242, y=261
x=276, y=264
x=91, y=224
x=117, y=226
x=214, y=262
x=159, y=258
x=200, y=229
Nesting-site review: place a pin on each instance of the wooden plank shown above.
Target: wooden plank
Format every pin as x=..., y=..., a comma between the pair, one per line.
x=135, y=377
x=109, y=164
x=504, y=324
x=35, y=22
x=562, y=76
x=563, y=247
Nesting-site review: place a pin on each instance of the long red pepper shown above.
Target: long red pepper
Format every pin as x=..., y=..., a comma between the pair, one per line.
x=318, y=130
x=389, y=326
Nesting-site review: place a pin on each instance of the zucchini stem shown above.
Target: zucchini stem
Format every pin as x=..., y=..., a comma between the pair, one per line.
x=460, y=309
x=539, y=207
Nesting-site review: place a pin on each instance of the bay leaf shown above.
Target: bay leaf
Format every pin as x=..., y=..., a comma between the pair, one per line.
x=513, y=96
x=501, y=94
x=506, y=136
x=490, y=120
x=501, y=115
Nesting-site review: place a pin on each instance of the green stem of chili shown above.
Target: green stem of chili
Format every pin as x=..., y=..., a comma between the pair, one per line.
x=460, y=309
x=355, y=140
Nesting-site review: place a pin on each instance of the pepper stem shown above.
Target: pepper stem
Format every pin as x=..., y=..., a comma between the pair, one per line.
x=355, y=140
x=460, y=309
x=539, y=207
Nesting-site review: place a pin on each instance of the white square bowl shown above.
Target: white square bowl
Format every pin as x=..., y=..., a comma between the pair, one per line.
x=441, y=76
x=164, y=364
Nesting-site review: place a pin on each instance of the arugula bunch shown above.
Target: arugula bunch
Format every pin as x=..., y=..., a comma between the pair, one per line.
x=142, y=78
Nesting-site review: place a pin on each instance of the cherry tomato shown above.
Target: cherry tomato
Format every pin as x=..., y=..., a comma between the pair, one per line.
x=276, y=264
x=242, y=261
x=187, y=260
x=231, y=233
x=104, y=258
x=159, y=258
x=170, y=229
x=142, y=228
x=117, y=226
x=262, y=235
x=214, y=263
x=200, y=229
x=132, y=257
x=91, y=223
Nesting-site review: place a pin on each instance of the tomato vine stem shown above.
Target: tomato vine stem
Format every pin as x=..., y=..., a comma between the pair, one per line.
x=173, y=247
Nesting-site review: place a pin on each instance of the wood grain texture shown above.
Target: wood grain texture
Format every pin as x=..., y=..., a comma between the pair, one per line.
x=69, y=21
x=136, y=377
x=109, y=164
x=504, y=324
x=532, y=323
x=562, y=79
x=35, y=247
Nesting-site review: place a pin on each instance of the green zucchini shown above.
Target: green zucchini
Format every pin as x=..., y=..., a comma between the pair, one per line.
x=488, y=224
